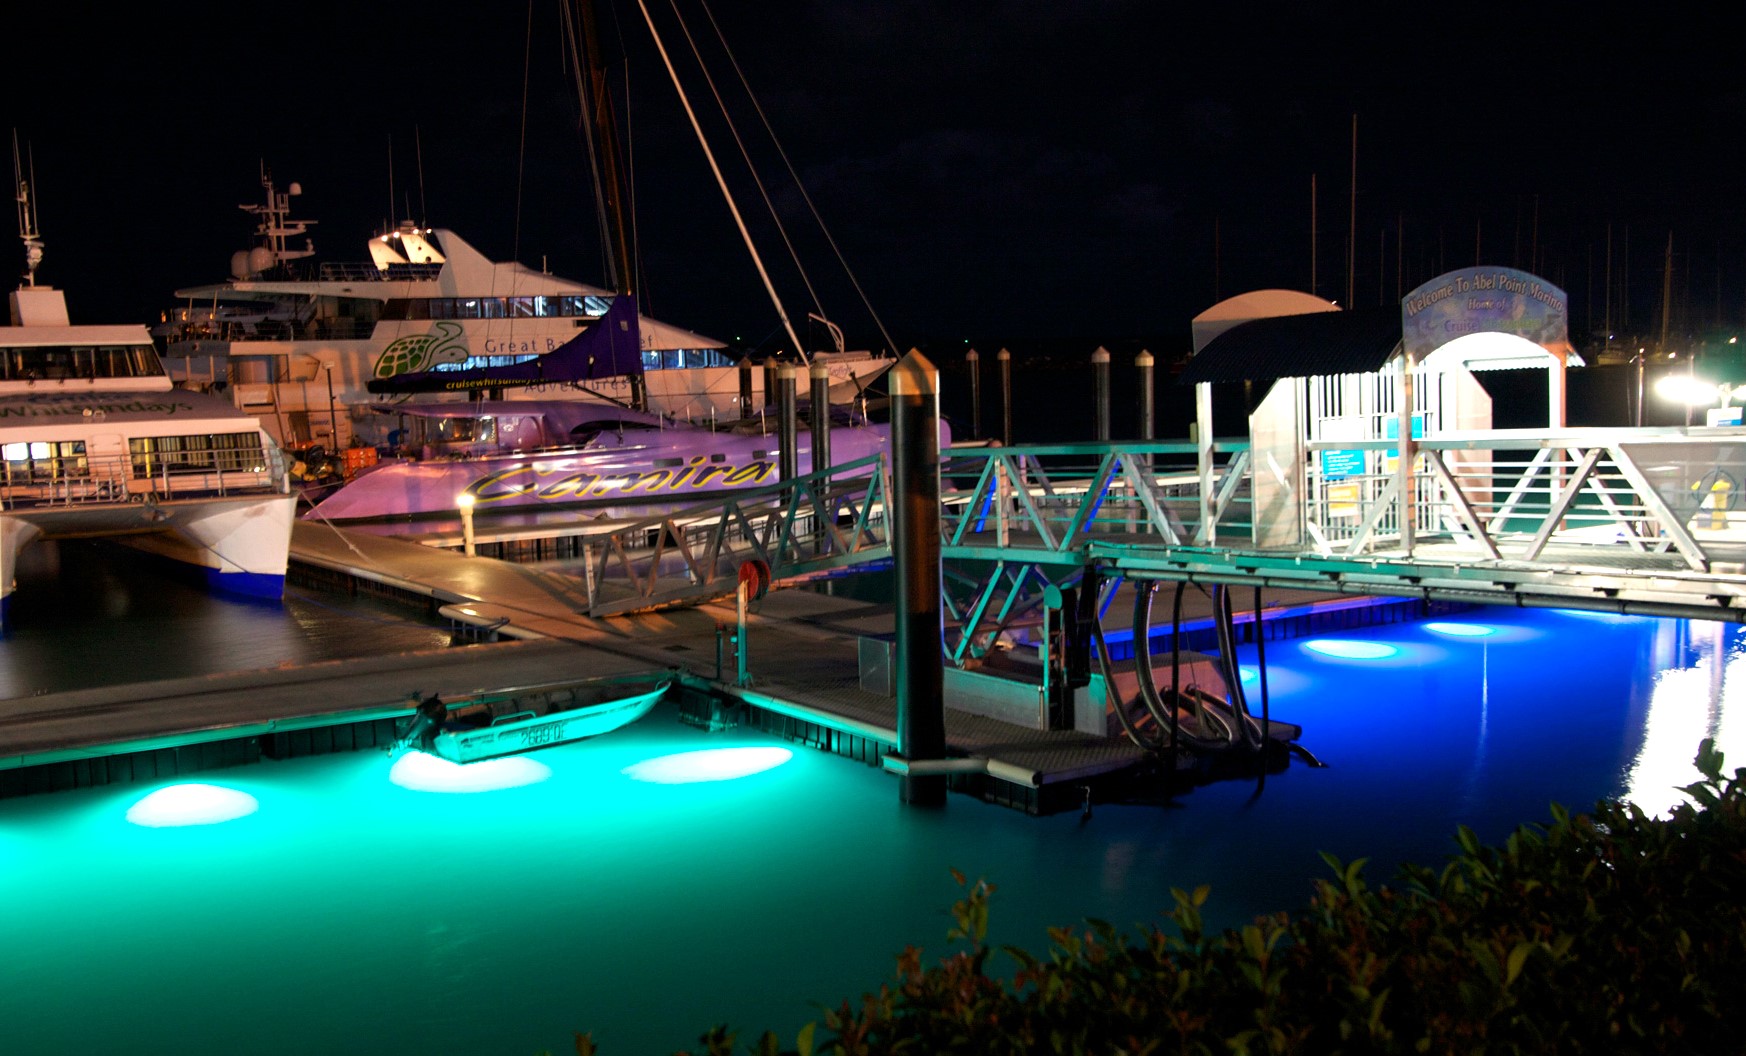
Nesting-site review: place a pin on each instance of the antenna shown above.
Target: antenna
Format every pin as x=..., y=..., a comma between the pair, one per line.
x=26, y=215
x=418, y=154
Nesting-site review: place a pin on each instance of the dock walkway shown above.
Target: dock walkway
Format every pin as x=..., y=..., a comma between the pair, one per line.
x=803, y=651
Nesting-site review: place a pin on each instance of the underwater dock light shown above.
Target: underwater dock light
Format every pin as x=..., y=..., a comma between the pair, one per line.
x=191, y=804
x=709, y=764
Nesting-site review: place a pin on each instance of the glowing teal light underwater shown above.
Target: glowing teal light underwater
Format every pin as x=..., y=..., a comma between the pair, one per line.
x=191, y=804
x=1351, y=650
x=422, y=772
x=709, y=764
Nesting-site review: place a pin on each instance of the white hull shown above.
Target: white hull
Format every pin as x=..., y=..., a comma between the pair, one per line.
x=242, y=543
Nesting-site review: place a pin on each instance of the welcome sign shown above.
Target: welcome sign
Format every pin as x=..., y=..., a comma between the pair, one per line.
x=1484, y=299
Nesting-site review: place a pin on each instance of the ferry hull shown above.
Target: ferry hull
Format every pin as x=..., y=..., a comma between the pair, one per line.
x=242, y=545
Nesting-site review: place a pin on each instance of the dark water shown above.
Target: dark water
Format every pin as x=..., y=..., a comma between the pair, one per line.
x=364, y=908
x=90, y=613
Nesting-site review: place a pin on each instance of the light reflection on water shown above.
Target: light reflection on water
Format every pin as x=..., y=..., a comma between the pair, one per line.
x=88, y=613
x=348, y=914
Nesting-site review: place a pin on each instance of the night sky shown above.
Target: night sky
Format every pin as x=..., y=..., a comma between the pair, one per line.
x=989, y=171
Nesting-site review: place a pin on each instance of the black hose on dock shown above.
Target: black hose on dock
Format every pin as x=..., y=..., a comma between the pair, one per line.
x=1261, y=671
x=1223, y=623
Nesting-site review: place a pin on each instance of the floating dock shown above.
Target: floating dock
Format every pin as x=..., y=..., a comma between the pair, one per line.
x=816, y=674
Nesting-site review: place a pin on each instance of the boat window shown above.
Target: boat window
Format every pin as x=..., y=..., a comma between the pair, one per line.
x=84, y=361
x=403, y=309
x=199, y=453
x=569, y=306
x=439, y=431
x=484, y=362
x=39, y=460
x=682, y=358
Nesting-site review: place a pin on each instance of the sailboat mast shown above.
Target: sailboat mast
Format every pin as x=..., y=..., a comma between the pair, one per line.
x=609, y=182
x=713, y=167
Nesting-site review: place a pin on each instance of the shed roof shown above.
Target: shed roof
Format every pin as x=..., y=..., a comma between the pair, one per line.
x=1311, y=344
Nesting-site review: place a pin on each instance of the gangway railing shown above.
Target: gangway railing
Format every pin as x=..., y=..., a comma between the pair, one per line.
x=800, y=528
x=1627, y=520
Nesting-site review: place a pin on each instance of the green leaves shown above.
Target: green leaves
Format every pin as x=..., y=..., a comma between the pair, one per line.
x=1601, y=932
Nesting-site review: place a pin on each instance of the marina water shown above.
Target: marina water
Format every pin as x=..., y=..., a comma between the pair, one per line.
x=610, y=887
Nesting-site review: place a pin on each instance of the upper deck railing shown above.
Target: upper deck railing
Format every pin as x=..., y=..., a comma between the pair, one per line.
x=187, y=473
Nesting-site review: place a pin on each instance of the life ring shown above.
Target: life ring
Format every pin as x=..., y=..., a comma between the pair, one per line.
x=755, y=577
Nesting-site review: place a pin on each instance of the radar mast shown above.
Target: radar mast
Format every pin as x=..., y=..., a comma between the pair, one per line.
x=275, y=228
x=26, y=216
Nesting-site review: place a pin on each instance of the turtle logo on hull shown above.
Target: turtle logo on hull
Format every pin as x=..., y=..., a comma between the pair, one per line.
x=446, y=343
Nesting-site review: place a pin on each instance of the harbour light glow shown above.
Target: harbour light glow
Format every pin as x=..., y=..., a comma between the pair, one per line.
x=1348, y=650
x=1461, y=630
x=423, y=772
x=191, y=804
x=710, y=764
x=1679, y=717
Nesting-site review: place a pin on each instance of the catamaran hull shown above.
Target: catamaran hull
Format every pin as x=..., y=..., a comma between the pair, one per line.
x=241, y=544
x=629, y=482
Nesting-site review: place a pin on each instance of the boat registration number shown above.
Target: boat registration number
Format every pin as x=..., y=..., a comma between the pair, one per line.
x=550, y=733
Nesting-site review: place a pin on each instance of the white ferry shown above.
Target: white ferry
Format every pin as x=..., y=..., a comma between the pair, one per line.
x=96, y=441
x=298, y=343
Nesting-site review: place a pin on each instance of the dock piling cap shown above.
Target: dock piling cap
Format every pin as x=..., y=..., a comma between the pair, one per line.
x=914, y=376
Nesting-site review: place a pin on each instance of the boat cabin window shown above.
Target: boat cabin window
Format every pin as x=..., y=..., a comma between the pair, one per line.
x=682, y=358
x=567, y=306
x=91, y=362
x=483, y=362
x=154, y=455
x=460, y=430
x=27, y=460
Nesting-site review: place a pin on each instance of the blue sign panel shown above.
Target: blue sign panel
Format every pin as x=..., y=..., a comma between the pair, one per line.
x=1338, y=465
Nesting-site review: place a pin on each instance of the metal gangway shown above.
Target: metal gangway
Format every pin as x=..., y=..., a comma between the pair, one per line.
x=1636, y=521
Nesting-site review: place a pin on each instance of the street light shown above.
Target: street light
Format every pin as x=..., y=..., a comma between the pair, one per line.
x=1695, y=392
x=465, y=502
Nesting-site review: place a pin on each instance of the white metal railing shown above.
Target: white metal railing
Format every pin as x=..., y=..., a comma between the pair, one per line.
x=1515, y=493
x=1533, y=517
x=84, y=480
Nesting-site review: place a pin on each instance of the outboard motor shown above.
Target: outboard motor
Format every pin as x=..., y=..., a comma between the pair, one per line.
x=422, y=728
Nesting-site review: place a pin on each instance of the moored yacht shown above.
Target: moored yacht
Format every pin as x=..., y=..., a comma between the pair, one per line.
x=299, y=343
x=96, y=441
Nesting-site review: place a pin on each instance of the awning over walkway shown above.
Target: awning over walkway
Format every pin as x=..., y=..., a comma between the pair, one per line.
x=1312, y=344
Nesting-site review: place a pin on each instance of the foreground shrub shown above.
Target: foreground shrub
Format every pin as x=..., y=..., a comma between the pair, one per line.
x=1608, y=932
